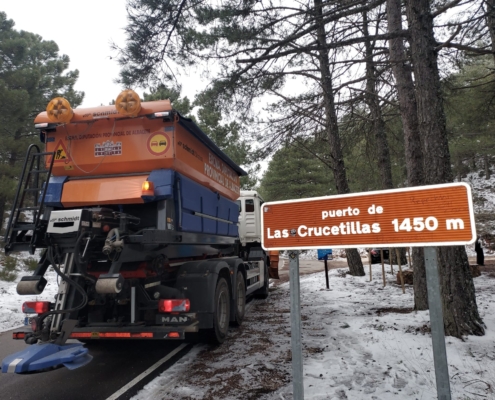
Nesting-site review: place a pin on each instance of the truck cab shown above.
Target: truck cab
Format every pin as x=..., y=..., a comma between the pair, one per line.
x=250, y=208
x=250, y=217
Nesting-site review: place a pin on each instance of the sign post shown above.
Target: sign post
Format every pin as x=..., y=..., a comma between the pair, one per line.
x=423, y=216
x=295, y=325
x=437, y=328
x=323, y=255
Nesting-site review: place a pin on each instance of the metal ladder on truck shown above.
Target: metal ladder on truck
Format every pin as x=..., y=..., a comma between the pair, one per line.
x=33, y=182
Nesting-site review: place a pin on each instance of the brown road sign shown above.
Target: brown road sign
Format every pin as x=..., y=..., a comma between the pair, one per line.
x=436, y=215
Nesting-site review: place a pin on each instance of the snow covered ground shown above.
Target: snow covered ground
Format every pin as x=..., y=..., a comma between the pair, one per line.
x=11, y=315
x=360, y=341
x=483, y=192
x=483, y=201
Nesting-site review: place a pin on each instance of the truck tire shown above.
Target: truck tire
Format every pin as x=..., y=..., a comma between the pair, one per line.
x=240, y=299
x=221, y=312
x=264, y=291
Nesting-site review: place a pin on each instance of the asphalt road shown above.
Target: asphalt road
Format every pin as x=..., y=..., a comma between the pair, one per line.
x=114, y=364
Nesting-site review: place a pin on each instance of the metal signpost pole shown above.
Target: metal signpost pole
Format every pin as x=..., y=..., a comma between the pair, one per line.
x=295, y=324
x=437, y=328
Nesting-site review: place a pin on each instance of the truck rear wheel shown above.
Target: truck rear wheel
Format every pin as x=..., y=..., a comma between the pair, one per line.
x=240, y=299
x=221, y=313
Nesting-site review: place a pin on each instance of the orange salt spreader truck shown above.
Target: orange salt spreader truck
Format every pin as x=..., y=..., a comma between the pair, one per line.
x=141, y=216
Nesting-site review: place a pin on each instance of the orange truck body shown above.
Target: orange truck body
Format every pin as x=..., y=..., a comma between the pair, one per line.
x=99, y=143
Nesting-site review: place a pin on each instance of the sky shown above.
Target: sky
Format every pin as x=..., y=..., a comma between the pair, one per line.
x=84, y=33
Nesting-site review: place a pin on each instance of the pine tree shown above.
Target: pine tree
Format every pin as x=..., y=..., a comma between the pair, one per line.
x=31, y=73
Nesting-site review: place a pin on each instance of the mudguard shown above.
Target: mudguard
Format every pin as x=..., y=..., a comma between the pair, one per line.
x=197, y=280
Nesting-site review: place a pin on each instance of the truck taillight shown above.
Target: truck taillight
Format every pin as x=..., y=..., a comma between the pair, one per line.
x=175, y=305
x=148, y=189
x=35, y=307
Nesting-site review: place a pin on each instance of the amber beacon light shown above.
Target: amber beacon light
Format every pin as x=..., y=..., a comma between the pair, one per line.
x=128, y=103
x=59, y=110
x=148, y=188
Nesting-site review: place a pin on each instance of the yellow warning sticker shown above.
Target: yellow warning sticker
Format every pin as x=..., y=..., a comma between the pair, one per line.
x=61, y=154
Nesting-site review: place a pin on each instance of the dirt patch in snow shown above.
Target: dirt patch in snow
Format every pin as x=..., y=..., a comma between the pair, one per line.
x=488, y=268
x=252, y=363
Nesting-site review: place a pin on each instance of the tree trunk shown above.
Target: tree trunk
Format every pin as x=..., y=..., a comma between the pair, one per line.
x=353, y=257
x=354, y=262
x=432, y=125
x=419, y=279
x=490, y=21
x=2, y=215
x=460, y=312
x=412, y=140
x=486, y=162
x=373, y=102
x=402, y=256
x=461, y=315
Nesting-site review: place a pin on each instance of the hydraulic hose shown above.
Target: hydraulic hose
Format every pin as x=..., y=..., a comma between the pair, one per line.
x=71, y=282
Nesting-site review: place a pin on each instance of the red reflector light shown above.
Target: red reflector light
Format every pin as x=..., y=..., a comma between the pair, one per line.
x=110, y=335
x=32, y=307
x=81, y=335
x=174, y=335
x=18, y=335
x=115, y=335
x=174, y=305
x=142, y=335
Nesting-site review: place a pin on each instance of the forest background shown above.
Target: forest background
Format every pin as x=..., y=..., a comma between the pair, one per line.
x=340, y=96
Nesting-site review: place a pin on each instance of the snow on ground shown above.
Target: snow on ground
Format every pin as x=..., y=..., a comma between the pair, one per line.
x=11, y=315
x=483, y=192
x=484, y=203
x=360, y=341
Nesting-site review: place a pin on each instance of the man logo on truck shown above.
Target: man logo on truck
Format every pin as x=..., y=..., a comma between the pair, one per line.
x=175, y=319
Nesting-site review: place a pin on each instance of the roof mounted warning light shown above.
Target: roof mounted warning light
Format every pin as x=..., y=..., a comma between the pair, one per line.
x=128, y=103
x=59, y=110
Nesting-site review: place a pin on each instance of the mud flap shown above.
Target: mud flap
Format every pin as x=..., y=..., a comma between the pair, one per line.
x=39, y=357
x=274, y=263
